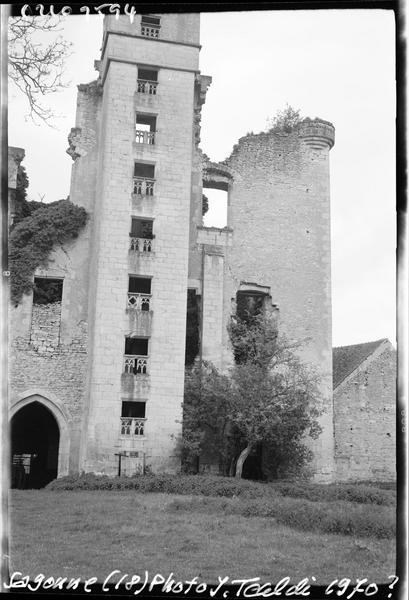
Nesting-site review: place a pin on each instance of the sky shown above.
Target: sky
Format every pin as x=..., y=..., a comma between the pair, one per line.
x=335, y=64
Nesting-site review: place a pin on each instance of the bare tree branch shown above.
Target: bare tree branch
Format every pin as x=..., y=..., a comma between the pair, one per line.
x=36, y=67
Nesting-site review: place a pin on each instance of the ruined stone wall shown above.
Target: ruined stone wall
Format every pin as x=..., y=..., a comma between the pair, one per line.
x=279, y=210
x=212, y=242
x=62, y=370
x=167, y=264
x=83, y=143
x=48, y=343
x=365, y=420
x=45, y=327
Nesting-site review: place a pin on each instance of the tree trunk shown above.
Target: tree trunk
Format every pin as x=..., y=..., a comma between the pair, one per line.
x=232, y=467
x=241, y=460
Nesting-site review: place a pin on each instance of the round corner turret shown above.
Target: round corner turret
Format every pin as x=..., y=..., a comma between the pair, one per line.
x=317, y=133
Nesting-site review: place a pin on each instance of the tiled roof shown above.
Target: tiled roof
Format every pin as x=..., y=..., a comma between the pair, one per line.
x=345, y=359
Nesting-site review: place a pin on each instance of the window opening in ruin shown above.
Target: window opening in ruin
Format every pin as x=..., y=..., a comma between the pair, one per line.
x=136, y=346
x=139, y=292
x=147, y=74
x=143, y=179
x=147, y=81
x=47, y=290
x=216, y=215
x=141, y=235
x=144, y=170
x=136, y=355
x=139, y=285
x=192, y=327
x=145, y=129
x=133, y=409
x=249, y=305
x=142, y=228
x=133, y=418
x=150, y=26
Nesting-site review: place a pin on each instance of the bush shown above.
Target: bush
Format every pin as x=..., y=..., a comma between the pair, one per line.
x=350, y=492
x=170, y=484
x=227, y=487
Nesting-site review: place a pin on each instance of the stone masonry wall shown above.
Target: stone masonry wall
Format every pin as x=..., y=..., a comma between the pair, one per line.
x=45, y=327
x=62, y=371
x=54, y=370
x=48, y=343
x=179, y=27
x=279, y=210
x=212, y=242
x=365, y=420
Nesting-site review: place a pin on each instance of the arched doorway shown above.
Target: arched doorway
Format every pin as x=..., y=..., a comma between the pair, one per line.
x=35, y=440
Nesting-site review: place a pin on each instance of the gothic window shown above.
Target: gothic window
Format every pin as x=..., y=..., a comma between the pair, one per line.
x=133, y=418
x=150, y=26
x=147, y=81
x=143, y=179
x=139, y=292
x=136, y=355
x=145, y=129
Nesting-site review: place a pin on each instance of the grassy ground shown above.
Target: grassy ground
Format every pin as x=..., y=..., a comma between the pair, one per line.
x=85, y=533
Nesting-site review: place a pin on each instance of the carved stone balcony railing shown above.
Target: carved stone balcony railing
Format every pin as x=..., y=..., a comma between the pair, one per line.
x=132, y=426
x=145, y=137
x=145, y=86
x=150, y=30
x=143, y=245
x=139, y=301
x=135, y=365
x=143, y=186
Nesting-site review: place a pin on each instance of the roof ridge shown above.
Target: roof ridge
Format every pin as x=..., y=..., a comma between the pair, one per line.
x=361, y=343
x=346, y=359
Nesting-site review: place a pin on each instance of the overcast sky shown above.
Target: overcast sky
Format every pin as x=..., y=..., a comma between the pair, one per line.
x=335, y=64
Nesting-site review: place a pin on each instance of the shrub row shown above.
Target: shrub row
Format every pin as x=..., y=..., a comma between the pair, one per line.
x=171, y=484
x=208, y=485
x=361, y=494
x=332, y=517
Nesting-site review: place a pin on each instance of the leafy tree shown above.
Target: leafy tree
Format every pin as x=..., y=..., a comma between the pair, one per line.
x=275, y=396
x=35, y=68
x=269, y=397
x=285, y=120
x=205, y=414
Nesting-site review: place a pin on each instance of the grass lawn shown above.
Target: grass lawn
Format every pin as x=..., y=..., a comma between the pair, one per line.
x=91, y=533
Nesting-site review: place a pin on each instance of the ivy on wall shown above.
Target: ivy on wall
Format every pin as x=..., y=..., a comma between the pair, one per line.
x=205, y=205
x=35, y=235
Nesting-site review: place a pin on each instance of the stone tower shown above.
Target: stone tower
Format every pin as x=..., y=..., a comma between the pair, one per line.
x=133, y=146
x=276, y=247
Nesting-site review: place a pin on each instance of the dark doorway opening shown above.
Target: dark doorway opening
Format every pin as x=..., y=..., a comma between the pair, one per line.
x=252, y=468
x=192, y=327
x=35, y=439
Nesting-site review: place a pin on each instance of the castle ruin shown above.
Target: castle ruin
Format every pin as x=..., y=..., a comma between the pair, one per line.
x=100, y=370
